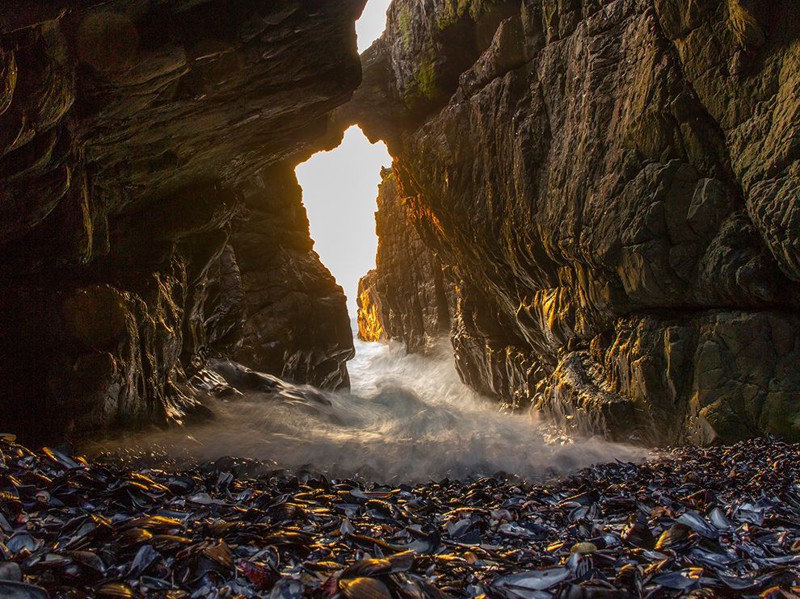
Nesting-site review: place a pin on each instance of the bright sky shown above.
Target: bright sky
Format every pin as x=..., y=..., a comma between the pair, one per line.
x=340, y=188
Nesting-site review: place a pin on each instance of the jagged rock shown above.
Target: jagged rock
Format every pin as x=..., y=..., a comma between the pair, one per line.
x=296, y=323
x=408, y=296
x=490, y=356
x=130, y=131
x=370, y=309
x=706, y=377
x=615, y=184
x=226, y=297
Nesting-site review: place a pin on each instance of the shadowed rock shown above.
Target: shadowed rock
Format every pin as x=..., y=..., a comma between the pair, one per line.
x=130, y=135
x=296, y=323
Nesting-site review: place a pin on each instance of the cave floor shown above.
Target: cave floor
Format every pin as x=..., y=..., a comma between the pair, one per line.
x=716, y=522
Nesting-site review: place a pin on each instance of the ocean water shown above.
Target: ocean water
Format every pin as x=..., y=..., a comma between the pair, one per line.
x=406, y=417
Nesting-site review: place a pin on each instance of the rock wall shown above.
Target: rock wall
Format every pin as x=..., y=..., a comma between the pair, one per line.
x=296, y=324
x=408, y=296
x=135, y=136
x=614, y=184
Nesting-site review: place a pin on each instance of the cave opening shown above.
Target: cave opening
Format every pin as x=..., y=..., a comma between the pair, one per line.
x=340, y=188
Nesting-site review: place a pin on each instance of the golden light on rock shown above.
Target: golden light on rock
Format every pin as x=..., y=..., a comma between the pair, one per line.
x=369, y=323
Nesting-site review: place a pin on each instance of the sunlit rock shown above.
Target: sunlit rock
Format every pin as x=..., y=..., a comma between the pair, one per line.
x=408, y=296
x=613, y=190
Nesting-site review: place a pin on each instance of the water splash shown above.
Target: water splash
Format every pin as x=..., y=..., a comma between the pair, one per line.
x=407, y=417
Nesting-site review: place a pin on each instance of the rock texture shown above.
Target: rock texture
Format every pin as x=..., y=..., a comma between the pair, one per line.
x=613, y=185
x=408, y=296
x=133, y=134
x=297, y=325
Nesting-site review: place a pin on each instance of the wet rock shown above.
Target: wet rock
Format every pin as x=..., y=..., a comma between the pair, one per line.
x=129, y=135
x=612, y=190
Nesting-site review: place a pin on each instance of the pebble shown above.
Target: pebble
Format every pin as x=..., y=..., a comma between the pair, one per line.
x=692, y=522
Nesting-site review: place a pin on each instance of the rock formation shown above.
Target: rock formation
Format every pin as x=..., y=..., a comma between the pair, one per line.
x=613, y=187
x=136, y=135
x=408, y=296
x=296, y=325
x=599, y=198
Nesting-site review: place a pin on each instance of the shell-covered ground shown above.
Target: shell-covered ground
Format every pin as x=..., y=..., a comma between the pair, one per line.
x=716, y=522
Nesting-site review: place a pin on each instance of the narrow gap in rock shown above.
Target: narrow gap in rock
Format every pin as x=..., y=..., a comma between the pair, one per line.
x=339, y=192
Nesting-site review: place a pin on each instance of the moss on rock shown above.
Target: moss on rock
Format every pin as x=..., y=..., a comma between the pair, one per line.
x=404, y=20
x=453, y=10
x=424, y=85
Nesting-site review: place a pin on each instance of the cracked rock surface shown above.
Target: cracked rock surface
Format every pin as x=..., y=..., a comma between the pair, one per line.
x=613, y=187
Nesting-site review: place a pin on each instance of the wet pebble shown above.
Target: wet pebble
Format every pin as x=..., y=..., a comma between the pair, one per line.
x=676, y=526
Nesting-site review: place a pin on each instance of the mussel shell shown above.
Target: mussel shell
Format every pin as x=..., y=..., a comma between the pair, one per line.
x=364, y=588
x=61, y=458
x=287, y=588
x=534, y=580
x=638, y=534
x=590, y=591
x=155, y=584
x=10, y=571
x=680, y=581
x=20, y=590
x=115, y=589
x=368, y=567
x=262, y=576
x=220, y=554
x=145, y=557
x=719, y=519
x=675, y=537
x=698, y=524
x=23, y=542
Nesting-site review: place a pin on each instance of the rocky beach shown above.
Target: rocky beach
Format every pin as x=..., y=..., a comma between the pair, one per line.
x=716, y=522
x=575, y=369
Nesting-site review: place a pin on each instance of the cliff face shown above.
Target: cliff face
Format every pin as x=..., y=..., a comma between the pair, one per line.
x=135, y=136
x=614, y=186
x=296, y=324
x=408, y=296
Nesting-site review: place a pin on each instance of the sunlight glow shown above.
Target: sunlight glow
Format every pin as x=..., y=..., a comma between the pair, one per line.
x=339, y=191
x=372, y=23
x=340, y=187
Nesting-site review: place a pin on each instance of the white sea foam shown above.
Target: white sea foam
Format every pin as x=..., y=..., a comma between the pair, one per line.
x=407, y=417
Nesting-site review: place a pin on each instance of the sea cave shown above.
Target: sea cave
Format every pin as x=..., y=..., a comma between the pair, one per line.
x=390, y=299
